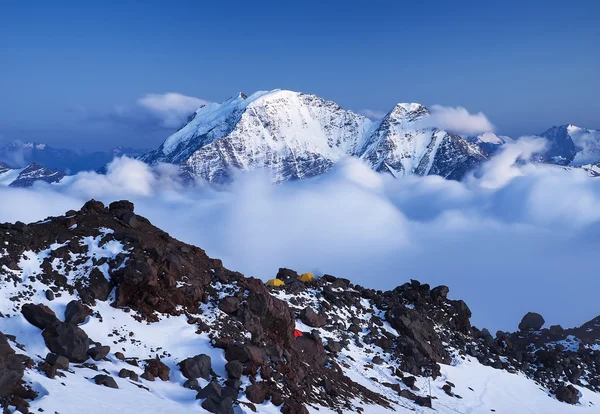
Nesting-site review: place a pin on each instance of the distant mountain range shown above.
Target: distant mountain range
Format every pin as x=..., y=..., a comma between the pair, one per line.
x=295, y=135
x=19, y=155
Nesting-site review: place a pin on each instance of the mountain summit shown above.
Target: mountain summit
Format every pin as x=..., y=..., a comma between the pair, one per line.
x=296, y=135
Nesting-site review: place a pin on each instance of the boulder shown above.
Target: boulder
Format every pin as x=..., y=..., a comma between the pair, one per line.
x=99, y=352
x=196, y=367
x=157, y=368
x=57, y=360
x=126, y=373
x=105, y=380
x=218, y=406
x=39, y=315
x=286, y=274
x=234, y=369
x=211, y=390
x=257, y=393
x=568, y=394
x=67, y=340
x=49, y=294
x=440, y=293
x=229, y=304
x=76, y=312
x=313, y=319
x=531, y=322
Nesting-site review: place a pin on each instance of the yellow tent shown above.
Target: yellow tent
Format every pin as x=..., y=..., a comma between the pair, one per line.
x=275, y=283
x=306, y=277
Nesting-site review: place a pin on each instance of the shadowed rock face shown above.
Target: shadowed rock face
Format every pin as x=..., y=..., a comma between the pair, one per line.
x=414, y=326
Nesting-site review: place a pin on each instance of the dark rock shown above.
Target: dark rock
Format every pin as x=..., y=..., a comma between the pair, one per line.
x=98, y=352
x=313, y=319
x=12, y=368
x=126, y=373
x=157, y=368
x=531, y=322
x=229, y=304
x=196, y=367
x=568, y=394
x=211, y=390
x=219, y=406
x=67, y=340
x=378, y=360
x=58, y=360
x=148, y=376
x=191, y=384
x=131, y=220
x=76, y=312
x=234, y=369
x=257, y=393
x=39, y=315
x=440, y=293
x=105, y=380
x=49, y=294
x=286, y=274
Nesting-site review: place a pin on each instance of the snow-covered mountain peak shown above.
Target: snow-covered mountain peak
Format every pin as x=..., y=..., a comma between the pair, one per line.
x=407, y=112
x=296, y=135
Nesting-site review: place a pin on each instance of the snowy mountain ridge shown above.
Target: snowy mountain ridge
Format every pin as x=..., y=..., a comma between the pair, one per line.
x=296, y=135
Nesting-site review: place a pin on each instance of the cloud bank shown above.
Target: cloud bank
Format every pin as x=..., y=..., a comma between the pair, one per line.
x=512, y=237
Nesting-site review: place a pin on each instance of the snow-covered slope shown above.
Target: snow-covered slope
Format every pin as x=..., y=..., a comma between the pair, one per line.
x=401, y=147
x=102, y=312
x=489, y=141
x=296, y=135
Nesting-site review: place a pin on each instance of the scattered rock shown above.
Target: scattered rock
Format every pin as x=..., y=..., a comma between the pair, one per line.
x=105, y=380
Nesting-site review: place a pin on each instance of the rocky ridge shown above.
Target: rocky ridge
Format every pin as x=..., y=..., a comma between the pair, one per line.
x=80, y=293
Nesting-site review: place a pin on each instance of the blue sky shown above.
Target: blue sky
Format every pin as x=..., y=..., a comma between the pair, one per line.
x=66, y=68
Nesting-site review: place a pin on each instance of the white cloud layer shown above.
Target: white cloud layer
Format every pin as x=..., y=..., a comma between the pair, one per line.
x=513, y=237
x=457, y=120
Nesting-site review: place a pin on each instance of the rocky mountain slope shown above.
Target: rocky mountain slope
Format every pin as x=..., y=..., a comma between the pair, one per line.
x=570, y=145
x=296, y=135
x=25, y=177
x=100, y=311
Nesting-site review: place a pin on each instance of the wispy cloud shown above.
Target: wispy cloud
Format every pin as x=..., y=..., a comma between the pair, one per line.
x=372, y=113
x=457, y=120
x=169, y=111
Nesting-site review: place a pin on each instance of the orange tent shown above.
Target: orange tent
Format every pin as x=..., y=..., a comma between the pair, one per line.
x=297, y=333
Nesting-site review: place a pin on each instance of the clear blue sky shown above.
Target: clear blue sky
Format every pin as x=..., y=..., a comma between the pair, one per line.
x=65, y=65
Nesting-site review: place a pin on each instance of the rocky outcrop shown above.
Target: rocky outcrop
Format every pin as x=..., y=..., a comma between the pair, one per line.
x=13, y=391
x=408, y=331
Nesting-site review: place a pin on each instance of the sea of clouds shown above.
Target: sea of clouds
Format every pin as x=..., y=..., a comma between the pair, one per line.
x=512, y=237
